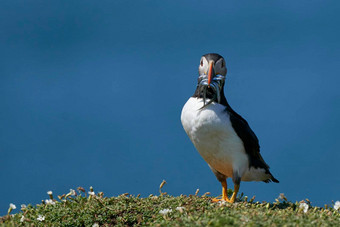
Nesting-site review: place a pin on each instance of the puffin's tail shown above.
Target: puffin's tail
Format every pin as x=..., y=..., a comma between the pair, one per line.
x=275, y=180
x=272, y=179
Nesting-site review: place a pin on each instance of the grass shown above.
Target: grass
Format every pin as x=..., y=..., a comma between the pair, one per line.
x=83, y=209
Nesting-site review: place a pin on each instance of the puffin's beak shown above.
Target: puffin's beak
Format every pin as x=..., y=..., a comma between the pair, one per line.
x=211, y=72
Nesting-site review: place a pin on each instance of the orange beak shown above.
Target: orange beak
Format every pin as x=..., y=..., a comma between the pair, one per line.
x=211, y=72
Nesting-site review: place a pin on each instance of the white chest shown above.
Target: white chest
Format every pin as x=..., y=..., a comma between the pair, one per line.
x=212, y=134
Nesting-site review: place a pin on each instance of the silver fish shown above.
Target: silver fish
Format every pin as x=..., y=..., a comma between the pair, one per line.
x=216, y=85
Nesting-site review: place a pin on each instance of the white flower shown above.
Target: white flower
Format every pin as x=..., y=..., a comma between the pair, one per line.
x=337, y=205
x=40, y=218
x=180, y=209
x=12, y=206
x=95, y=225
x=304, y=206
x=22, y=219
x=49, y=201
x=49, y=193
x=91, y=193
x=165, y=211
x=72, y=192
x=23, y=206
x=221, y=202
x=154, y=197
x=282, y=197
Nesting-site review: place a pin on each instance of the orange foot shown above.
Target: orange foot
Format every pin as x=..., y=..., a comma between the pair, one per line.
x=215, y=200
x=225, y=194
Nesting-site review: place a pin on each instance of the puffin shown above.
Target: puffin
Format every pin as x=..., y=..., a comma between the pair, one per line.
x=222, y=137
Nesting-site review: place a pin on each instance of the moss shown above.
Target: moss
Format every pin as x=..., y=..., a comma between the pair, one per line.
x=125, y=210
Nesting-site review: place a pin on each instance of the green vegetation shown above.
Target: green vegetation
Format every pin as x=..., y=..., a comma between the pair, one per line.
x=89, y=209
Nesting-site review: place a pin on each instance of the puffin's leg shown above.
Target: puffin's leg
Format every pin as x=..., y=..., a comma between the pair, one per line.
x=233, y=197
x=237, y=181
x=223, y=179
x=224, y=193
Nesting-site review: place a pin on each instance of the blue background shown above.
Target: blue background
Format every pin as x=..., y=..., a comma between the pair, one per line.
x=91, y=94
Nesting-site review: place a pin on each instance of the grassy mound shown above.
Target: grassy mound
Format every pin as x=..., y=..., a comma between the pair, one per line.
x=91, y=209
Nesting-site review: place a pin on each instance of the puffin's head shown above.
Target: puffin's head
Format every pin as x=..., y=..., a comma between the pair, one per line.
x=212, y=71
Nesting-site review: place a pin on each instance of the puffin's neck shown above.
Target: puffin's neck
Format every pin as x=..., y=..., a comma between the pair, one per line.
x=223, y=100
x=210, y=95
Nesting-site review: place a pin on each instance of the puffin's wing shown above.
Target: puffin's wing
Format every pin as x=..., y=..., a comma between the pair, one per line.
x=250, y=141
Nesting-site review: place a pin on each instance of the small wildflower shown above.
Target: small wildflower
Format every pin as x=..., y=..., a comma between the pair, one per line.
x=40, y=218
x=81, y=189
x=23, y=206
x=49, y=201
x=91, y=193
x=337, y=205
x=22, y=219
x=222, y=203
x=95, y=225
x=304, y=206
x=11, y=207
x=165, y=211
x=50, y=194
x=282, y=197
x=73, y=192
x=180, y=209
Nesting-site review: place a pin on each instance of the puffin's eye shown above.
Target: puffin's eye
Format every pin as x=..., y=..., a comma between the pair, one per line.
x=201, y=62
